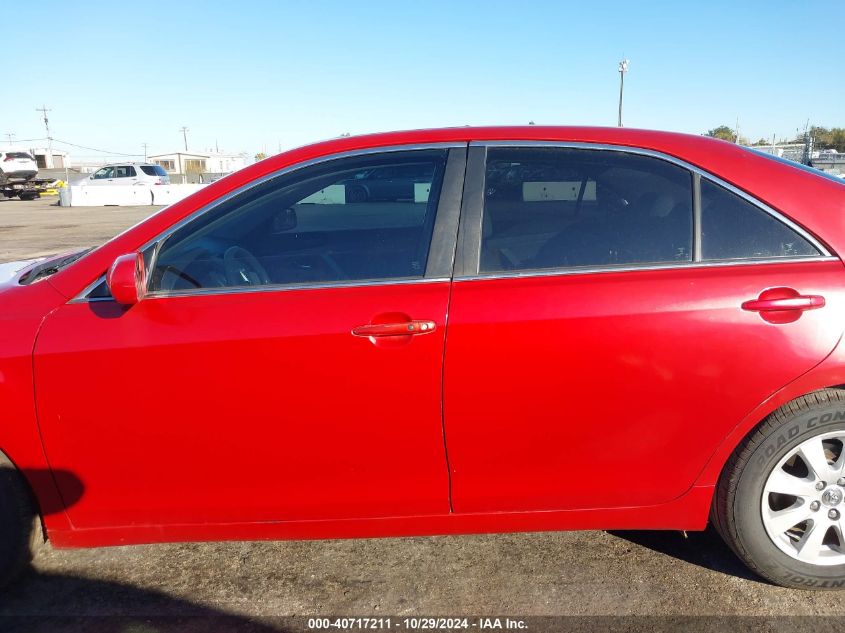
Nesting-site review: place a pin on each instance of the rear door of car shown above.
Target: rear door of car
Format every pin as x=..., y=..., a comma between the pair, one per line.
x=614, y=314
x=125, y=175
x=224, y=396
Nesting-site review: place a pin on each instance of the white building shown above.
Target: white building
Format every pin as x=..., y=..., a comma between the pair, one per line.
x=191, y=166
x=47, y=159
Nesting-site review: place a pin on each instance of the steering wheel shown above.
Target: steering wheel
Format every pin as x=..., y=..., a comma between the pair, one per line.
x=243, y=269
x=177, y=274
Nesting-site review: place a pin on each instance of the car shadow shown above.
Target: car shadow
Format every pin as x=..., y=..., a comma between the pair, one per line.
x=705, y=549
x=59, y=603
x=37, y=602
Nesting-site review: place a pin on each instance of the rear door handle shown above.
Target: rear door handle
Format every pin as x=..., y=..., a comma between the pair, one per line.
x=408, y=328
x=801, y=302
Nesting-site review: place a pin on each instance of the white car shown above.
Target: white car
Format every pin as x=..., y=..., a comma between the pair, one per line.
x=16, y=166
x=128, y=174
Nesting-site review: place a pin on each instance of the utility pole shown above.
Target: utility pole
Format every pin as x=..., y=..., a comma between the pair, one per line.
x=623, y=68
x=49, y=159
x=806, y=159
x=184, y=131
x=145, y=151
x=9, y=136
x=736, y=132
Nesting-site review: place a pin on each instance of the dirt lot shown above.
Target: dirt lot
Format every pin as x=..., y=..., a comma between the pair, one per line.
x=179, y=587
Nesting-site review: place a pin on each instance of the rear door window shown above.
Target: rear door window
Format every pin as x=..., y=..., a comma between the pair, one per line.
x=124, y=171
x=568, y=208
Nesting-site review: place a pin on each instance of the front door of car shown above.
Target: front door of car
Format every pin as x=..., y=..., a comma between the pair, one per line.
x=598, y=347
x=285, y=364
x=103, y=176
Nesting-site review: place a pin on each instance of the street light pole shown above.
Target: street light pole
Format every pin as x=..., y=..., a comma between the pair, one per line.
x=623, y=68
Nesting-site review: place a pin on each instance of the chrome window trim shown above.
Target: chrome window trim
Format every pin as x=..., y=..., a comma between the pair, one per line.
x=156, y=242
x=777, y=215
x=622, y=268
x=204, y=292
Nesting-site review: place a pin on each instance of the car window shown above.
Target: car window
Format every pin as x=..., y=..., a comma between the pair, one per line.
x=734, y=228
x=559, y=208
x=322, y=223
x=153, y=170
x=124, y=171
x=24, y=155
x=105, y=172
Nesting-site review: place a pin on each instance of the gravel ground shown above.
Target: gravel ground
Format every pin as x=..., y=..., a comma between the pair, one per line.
x=247, y=586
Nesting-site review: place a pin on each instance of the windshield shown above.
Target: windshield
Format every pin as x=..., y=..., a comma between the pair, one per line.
x=802, y=167
x=10, y=155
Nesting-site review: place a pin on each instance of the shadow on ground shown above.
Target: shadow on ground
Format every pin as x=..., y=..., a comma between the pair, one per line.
x=704, y=549
x=57, y=603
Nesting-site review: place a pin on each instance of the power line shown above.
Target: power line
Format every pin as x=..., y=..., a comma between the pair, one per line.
x=94, y=149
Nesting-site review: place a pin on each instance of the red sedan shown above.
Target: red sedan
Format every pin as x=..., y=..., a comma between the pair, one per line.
x=539, y=329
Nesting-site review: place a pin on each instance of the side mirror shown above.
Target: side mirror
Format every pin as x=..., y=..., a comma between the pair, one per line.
x=127, y=279
x=285, y=221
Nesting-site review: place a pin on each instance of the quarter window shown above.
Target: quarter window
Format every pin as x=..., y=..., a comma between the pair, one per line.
x=569, y=208
x=733, y=228
x=336, y=221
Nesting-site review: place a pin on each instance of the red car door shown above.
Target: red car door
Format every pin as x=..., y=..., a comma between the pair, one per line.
x=286, y=363
x=614, y=315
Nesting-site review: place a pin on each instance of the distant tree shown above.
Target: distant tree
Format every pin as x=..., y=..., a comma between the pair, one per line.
x=762, y=141
x=723, y=132
x=260, y=156
x=837, y=139
x=824, y=138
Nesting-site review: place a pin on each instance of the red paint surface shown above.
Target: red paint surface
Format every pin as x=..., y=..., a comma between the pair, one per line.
x=245, y=407
x=588, y=391
x=571, y=402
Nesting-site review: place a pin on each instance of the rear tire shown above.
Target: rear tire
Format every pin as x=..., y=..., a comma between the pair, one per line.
x=20, y=527
x=780, y=514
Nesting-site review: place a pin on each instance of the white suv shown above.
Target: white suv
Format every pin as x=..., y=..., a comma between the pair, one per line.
x=128, y=174
x=16, y=166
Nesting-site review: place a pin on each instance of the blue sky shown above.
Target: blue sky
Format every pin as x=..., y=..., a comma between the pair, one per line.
x=253, y=75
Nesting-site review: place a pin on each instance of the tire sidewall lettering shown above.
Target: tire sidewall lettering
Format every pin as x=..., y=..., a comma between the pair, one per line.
x=793, y=430
x=774, y=445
